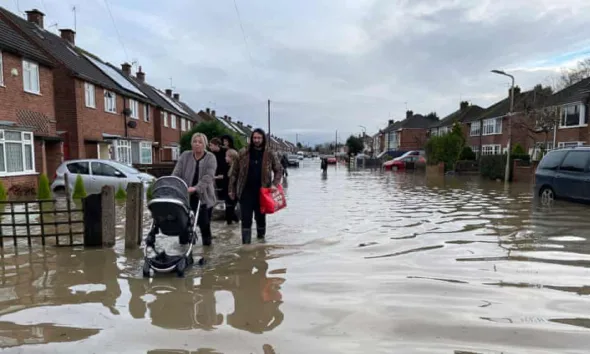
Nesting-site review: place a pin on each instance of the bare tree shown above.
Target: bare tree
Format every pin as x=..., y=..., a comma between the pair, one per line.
x=568, y=77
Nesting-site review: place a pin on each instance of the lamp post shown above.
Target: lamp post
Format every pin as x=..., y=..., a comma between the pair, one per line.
x=507, y=171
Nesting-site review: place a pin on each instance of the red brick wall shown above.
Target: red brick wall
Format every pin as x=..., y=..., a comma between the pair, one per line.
x=54, y=157
x=40, y=158
x=412, y=139
x=14, y=98
x=65, y=107
x=21, y=181
x=167, y=135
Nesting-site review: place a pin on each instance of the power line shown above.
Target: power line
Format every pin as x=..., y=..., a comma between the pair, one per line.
x=116, y=29
x=244, y=36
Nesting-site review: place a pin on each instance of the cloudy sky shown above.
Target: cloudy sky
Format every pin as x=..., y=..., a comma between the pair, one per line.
x=330, y=65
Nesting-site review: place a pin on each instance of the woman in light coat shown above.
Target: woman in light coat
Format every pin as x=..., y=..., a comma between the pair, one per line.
x=196, y=167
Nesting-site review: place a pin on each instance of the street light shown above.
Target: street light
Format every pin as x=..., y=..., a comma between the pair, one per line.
x=507, y=171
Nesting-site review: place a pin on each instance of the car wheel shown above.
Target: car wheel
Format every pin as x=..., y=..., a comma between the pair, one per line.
x=547, y=195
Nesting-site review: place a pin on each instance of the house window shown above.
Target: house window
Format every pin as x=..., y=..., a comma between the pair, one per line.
x=573, y=116
x=89, y=96
x=146, y=112
x=475, y=129
x=492, y=126
x=31, y=77
x=569, y=144
x=491, y=149
x=17, y=155
x=165, y=118
x=145, y=153
x=110, y=102
x=123, y=151
x=175, y=153
x=173, y=121
x=134, y=107
x=182, y=124
x=1, y=70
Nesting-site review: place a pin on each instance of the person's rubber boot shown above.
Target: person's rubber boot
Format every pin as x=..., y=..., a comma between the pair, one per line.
x=260, y=232
x=206, y=235
x=246, y=236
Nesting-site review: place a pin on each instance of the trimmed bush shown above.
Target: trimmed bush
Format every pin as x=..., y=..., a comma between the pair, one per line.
x=121, y=193
x=467, y=154
x=79, y=189
x=517, y=149
x=44, y=190
x=211, y=129
x=493, y=166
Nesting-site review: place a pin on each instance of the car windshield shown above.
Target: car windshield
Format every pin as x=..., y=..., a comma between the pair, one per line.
x=125, y=168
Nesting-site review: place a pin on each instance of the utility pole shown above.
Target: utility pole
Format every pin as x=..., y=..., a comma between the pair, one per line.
x=268, y=120
x=336, y=144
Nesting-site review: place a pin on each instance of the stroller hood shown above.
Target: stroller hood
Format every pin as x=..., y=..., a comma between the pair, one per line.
x=170, y=187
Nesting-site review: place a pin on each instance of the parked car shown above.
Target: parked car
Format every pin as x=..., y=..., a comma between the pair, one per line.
x=564, y=174
x=293, y=160
x=399, y=163
x=332, y=160
x=97, y=173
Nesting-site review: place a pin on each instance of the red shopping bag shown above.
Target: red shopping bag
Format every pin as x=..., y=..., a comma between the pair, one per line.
x=271, y=202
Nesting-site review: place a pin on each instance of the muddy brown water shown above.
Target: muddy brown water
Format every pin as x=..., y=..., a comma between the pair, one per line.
x=359, y=262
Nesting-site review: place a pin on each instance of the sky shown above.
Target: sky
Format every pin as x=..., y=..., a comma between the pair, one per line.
x=329, y=66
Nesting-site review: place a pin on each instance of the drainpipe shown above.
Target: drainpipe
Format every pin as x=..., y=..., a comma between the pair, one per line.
x=125, y=115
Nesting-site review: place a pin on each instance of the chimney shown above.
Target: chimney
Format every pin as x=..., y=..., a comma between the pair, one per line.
x=140, y=75
x=390, y=122
x=208, y=111
x=225, y=117
x=249, y=126
x=36, y=17
x=213, y=113
x=176, y=96
x=68, y=35
x=229, y=118
x=126, y=68
x=169, y=92
x=463, y=106
x=409, y=114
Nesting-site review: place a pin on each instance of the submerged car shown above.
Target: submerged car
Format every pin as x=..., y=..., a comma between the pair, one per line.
x=399, y=163
x=564, y=174
x=96, y=173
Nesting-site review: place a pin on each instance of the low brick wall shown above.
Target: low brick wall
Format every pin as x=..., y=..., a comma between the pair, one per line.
x=435, y=170
x=522, y=171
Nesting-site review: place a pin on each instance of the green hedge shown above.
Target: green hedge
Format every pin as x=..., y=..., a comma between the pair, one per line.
x=494, y=166
x=212, y=129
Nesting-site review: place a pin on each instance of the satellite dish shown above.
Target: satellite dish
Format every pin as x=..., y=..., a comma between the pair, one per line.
x=132, y=124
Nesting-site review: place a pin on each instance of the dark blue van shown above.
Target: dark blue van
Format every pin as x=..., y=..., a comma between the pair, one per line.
x=564, y=174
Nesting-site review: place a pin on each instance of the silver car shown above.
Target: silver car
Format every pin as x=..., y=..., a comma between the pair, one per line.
x=97, y=173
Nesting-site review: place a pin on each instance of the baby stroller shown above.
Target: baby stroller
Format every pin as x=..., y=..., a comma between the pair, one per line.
x=172, y=216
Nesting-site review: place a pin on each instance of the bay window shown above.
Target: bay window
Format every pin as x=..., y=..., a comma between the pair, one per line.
x=17, y=155
x=123, y=151
x=573, y=115
x=492, y=126
x=475, y=129
x=493, y=149
x=145, y=153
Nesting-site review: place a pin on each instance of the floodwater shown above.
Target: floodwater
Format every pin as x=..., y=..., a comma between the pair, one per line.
x=359, y=262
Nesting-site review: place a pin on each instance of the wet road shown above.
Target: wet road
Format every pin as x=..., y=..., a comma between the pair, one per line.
x=359, y=262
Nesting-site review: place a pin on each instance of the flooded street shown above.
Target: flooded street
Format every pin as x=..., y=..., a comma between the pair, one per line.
x=359, y=262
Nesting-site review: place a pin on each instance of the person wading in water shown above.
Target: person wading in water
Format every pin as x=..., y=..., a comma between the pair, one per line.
x=257, y=166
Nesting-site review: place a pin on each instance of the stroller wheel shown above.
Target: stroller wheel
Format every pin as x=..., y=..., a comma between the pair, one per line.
x=201, y=261
x=146, y=269
x=181, y=267
x=191, y=260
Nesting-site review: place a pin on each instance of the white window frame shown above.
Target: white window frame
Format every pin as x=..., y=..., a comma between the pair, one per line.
x=475, y=129
x=492, y=126
x=89, y=95
x=165, y=118
x=581, y=116
x=491, y=149
x=182, y=124
x=27, y=139
x=110, y=103
x=569, y=144
x=1, y=69
x=175, y=153
x=173, y=121
x=31, y=77
x=123, y=152
x=134, y=107
x=145, y=145
x=146, y=112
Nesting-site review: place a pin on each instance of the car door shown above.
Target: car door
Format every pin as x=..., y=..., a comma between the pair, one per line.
x=78, y=168
x=104, y=174
x=572, y=178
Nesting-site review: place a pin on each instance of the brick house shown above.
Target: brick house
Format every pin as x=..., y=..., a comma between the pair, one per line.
x=100, y=113
x=410, y=133
x=568, y=110
x=488, y=132
x=466, y=112
x=29, y=144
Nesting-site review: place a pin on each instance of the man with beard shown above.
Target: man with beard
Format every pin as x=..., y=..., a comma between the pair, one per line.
x=257, y=166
